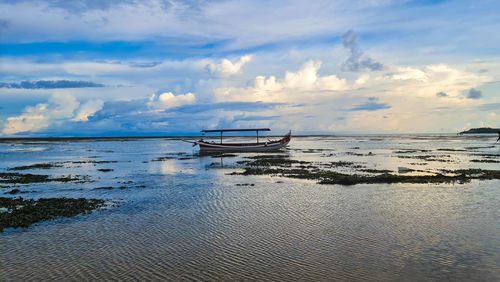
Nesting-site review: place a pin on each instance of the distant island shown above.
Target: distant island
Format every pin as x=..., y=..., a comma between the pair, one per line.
x=481, y=130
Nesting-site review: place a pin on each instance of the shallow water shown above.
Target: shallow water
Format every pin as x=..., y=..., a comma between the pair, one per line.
x=186, y=218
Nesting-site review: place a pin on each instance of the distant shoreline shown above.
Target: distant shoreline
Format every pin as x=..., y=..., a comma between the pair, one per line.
x=481, y=130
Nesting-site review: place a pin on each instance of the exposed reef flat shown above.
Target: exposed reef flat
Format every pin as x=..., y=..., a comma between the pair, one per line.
x=281, y=166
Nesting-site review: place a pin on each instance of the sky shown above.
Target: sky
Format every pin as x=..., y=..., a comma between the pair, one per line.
x=168, y=67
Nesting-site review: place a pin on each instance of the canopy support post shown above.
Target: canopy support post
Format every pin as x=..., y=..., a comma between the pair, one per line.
x=221, y=137
x=257, y=136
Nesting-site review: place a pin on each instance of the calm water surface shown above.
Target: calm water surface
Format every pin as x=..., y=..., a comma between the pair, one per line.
x=185, y=218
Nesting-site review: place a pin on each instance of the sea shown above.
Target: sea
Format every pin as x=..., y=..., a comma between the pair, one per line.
x=177, y=215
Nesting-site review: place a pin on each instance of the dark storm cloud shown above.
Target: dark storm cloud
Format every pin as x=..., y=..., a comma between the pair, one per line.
x=474, y=94
x=49, y=84
x=355, y=62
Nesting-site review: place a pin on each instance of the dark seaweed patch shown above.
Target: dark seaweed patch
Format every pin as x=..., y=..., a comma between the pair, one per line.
x=485, y=161
x=492, y=156
x=104, y=188
x=410, y=151
x=13, y=192
x=160, y=159
x=223, y=156
x=92, y=162
x=354, y=154
x=370, y=170
x=276, y=160
x=452, y=150
x=105, y=169
x=429, y=158
x=23, y=213
x=18, y=178
x=37, y=166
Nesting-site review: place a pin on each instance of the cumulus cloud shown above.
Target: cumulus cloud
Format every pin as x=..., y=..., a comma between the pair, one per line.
x=355, y=62
x=441, y=94
x=226, y=67
x=59, y=109
x=474, y=94
x=49, y=84
x=291, y=88
x=41, y=116
x=431, y=79
x=169, y=100
x=409, y=73
x=88, y=109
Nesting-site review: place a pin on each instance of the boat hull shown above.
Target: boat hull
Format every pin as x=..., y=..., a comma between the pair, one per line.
x=244, y=147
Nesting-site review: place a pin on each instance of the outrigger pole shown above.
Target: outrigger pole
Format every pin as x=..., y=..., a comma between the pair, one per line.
x=236, y=130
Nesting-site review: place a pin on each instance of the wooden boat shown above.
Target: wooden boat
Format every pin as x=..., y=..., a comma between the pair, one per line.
x=206, y=146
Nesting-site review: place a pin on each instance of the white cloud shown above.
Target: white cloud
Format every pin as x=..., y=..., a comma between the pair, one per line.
x=41, y=116
x=226, y=67
x=291, y=88
x=169, y=100
x=59, y=109
x=88, y=109
x=432, y=79
x=408, y=73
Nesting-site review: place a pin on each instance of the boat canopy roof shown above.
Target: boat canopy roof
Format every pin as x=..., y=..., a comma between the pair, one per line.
x=227, y=130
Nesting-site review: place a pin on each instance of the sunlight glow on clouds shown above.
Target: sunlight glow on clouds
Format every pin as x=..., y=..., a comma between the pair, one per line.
x=59, y=108
x=291, y=88
x=432, y=79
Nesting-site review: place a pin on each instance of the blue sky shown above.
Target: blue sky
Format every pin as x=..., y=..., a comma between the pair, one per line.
x=166, y=67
